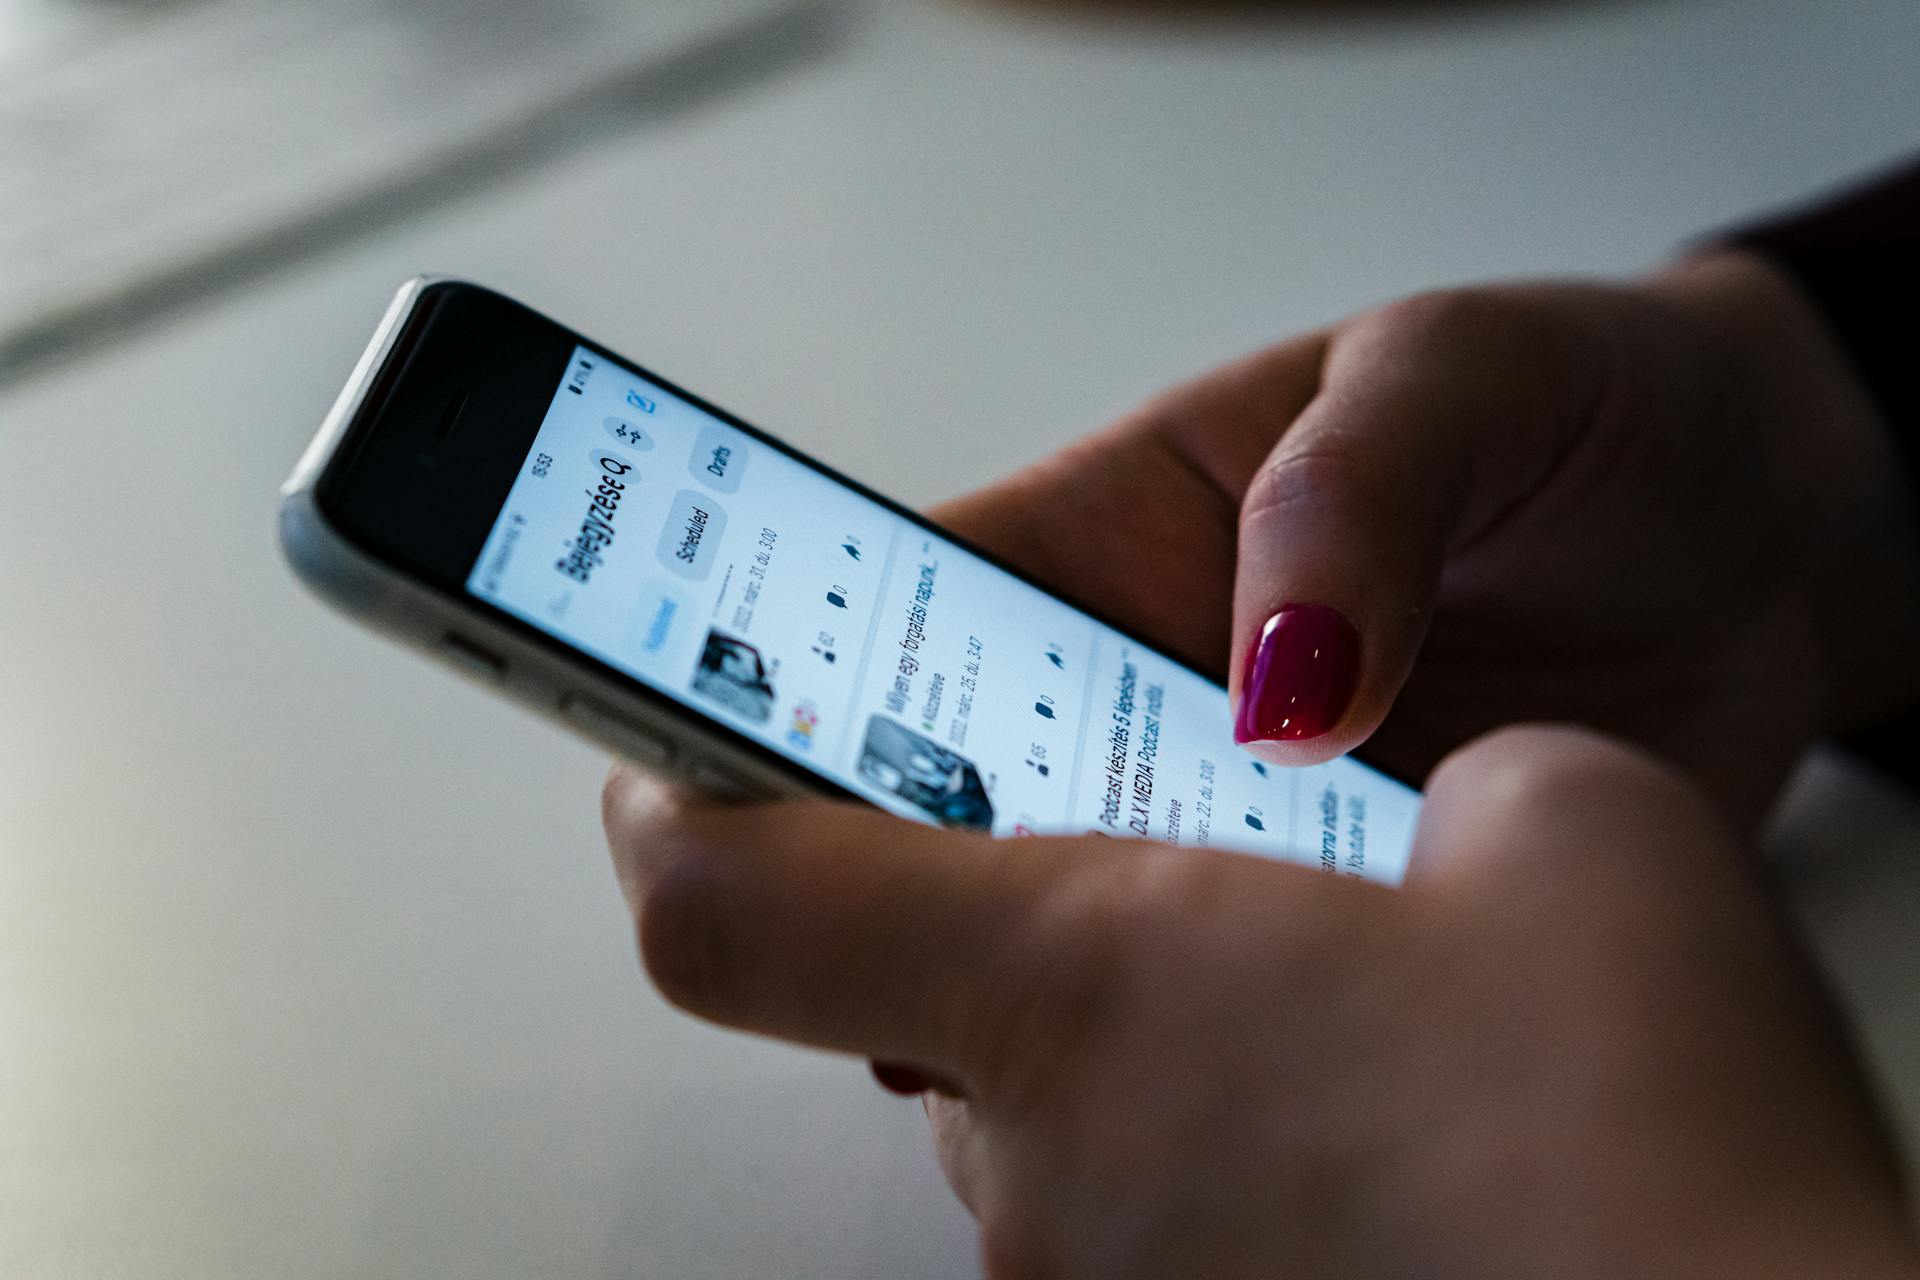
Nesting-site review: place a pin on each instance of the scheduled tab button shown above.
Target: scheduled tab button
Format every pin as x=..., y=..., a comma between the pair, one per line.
x=691, y=538
x=625, y=735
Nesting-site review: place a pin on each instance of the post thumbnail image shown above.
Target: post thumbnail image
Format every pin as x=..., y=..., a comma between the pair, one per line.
x=732, y=673
x=941, y=783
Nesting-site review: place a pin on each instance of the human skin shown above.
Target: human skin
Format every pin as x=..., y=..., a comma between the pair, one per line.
x=1663, y=509
x=1577, y=1042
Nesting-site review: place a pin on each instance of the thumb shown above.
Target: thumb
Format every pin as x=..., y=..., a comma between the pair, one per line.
x=1433, y=417
x=1568, y=810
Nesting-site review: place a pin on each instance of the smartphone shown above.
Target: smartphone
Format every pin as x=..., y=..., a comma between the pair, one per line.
x=609, y=549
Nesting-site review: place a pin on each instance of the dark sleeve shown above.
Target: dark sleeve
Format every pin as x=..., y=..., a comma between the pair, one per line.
x=1857, y=259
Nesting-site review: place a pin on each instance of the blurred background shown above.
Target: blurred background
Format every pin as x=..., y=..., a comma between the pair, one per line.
x=311, y=963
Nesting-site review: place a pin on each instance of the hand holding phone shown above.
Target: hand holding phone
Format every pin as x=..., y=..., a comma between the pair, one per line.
x=617, y=552
x=1577, y=1044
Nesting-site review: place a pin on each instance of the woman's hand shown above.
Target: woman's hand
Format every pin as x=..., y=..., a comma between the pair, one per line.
x=1662, y=509
x=1578, y=1043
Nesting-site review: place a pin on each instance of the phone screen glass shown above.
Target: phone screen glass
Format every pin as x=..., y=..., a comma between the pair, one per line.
x=733, y=577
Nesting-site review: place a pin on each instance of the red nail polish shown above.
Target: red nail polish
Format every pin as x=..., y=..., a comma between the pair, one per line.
x=909, y=1082
x=895, y=1078
x=1300, y=675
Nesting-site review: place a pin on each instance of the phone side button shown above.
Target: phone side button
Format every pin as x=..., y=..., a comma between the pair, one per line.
x=720, y=784
x=603, y=723
x=472, y=659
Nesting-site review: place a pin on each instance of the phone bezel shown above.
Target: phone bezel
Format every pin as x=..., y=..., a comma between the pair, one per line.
x=447, y=580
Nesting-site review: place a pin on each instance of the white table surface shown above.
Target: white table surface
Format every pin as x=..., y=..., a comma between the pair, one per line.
x=311, y=963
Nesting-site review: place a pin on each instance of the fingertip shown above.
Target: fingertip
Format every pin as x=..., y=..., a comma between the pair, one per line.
x=638, y=812
x=627, y=788
x=1296, y=755
x=623, y=796
x=1299, y=697
x=1518, y=763
x=1561, y=800
x=1301, y=671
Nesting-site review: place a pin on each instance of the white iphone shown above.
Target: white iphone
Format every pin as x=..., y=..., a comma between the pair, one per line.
x=607, y=548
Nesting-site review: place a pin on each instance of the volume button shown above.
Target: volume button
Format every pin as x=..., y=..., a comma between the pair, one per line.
x=472, y=659
x=721, y=784
x=621, y=732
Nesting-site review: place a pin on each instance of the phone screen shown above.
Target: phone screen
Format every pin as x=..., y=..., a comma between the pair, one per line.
x=745, y=583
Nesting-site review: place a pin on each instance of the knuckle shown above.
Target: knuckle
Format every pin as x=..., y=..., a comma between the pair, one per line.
x=1156, y=888
x=1528, y=344
x=1331, y=484
x=1288, y=481
x=1441, y=316
x=1058, y=960
x=1105, y=926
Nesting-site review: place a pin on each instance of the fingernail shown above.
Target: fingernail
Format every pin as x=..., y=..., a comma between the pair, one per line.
x=909, y=1082
x=895, y=1078
x=1300, y=675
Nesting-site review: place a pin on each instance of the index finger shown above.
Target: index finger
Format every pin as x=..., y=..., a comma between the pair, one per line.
x=849, y=929
x=1139, y=521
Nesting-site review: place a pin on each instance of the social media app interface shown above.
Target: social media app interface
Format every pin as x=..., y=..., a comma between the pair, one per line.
x=738, y=580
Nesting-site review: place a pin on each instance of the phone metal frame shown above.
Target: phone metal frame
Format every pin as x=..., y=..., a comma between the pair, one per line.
x=541, y=671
